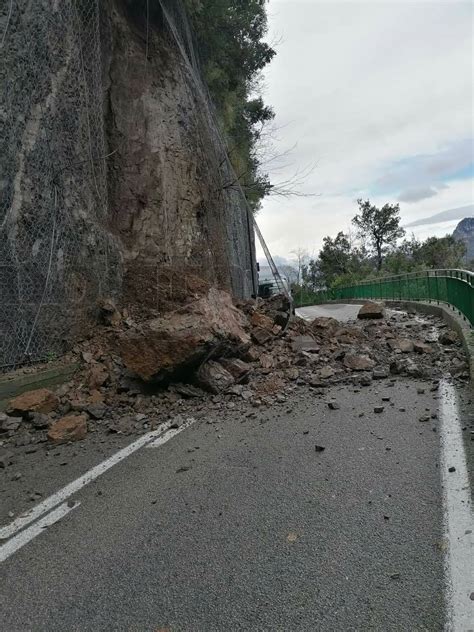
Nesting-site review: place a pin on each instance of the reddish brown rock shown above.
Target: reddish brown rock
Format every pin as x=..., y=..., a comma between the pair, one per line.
x=370, y=310
x=39, y=401
x=358, y=362
x=184, y=338
x=261, y=320
x=213, y=377
x=261, y=336
x=97, y=376
x=69, y=428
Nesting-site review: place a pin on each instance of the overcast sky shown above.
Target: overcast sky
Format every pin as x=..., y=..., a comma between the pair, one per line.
x=380, y=96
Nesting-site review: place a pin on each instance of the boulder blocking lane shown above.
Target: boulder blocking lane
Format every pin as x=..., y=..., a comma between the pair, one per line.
x=244, y=524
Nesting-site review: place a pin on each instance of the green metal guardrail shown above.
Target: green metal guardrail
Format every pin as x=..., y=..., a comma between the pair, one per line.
x=453, y=287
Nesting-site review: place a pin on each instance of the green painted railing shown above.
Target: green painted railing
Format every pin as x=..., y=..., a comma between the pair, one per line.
x=453, y=287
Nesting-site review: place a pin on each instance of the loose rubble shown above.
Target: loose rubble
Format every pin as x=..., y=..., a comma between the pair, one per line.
x=210, y=354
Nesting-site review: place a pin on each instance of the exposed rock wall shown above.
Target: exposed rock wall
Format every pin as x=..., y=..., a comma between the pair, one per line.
x=109, y=163
x=167, y=174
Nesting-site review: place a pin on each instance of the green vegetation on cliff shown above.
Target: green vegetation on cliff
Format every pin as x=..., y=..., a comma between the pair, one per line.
x=230, y=38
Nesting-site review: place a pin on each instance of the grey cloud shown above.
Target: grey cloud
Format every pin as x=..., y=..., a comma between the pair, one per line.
x=445, y=216
x=418, y=172
x=415, y=194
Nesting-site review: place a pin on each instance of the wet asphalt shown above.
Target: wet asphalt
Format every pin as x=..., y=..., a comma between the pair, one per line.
x=242, y=525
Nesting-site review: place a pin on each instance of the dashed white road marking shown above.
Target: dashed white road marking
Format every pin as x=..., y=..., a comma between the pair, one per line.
x=162, y=435
x=169, y=434
x=34, y=530
x=458, y=516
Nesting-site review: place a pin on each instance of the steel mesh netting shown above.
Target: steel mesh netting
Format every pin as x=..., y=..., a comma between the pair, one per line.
x=55, y=257
x=237, y=218
x=56, y=254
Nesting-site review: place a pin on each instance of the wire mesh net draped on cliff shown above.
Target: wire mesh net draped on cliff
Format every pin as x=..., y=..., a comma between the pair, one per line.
x=59, y=250
x=240, y=218
x=54, y=251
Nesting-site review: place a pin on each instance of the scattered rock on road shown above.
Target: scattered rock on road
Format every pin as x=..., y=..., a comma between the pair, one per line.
x=371, y=310
x=69, y=428
x=358, y=362
x=448, y=337
x=41, y=400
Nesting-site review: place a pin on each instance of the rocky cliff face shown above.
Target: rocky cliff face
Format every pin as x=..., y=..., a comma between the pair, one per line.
x=464, y=231
x=110, y=164
x=165, y=198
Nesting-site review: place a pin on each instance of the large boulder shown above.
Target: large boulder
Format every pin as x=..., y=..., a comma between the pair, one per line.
x=41, y=400
x=182, y=339
x=370, y=310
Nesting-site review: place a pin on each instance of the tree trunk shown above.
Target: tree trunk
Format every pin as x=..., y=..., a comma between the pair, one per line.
x=379, y=258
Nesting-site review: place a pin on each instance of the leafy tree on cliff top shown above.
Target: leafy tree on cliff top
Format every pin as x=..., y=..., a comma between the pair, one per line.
x=229, y=35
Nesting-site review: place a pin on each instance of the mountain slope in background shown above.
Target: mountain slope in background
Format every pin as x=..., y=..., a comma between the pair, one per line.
x=464, y=231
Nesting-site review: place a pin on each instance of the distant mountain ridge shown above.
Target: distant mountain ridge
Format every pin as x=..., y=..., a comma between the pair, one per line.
x=464, y=231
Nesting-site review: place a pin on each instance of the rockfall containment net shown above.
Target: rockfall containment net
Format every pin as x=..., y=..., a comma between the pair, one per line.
x=240, y=217
x=55, y=255
x=58, y=248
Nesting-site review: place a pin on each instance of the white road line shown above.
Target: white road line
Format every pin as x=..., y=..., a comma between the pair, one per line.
x=36, y=529
x=459, y=521
x=75, y=486
x=169, y=434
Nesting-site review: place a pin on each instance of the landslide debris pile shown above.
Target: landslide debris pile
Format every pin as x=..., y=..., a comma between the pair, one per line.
x=211, y=354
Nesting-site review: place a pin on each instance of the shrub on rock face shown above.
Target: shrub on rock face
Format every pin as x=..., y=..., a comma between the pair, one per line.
x=371, y=309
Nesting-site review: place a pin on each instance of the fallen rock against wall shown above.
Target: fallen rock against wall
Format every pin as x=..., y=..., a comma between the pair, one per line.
x=199, y=358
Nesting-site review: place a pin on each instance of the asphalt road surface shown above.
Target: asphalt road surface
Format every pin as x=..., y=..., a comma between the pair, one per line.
x=243, y=524
x=341, y=312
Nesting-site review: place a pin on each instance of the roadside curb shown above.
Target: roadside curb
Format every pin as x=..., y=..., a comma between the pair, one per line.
x=15, y=383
